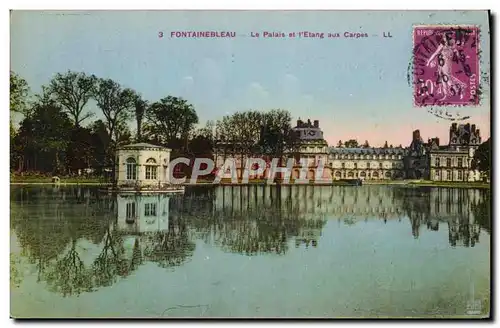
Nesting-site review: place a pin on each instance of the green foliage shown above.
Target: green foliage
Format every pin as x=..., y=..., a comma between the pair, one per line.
x=18, y=93
x=72, y=91
x=352, y=143
x=115, y=102
x=140, y=107
x=482, y=158
x=169, y=119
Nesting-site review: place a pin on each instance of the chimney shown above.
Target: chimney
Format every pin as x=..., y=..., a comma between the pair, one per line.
x=299, y=123
x=453, y=127
x=416, y=135
x=316, y=123
x=473, y=128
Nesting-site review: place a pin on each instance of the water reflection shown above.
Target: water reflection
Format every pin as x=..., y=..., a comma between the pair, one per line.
x=463, y=211
x=157, y=235
x=79, y=240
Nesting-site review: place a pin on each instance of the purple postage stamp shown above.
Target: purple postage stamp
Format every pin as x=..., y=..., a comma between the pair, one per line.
x=446, y=65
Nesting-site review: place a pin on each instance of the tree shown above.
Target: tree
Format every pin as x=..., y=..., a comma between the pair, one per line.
x=366, y=144
x=44, y=137
x=100, y=144
x=339, y=144
x=482, y=158
x=351, y=143
x=278, y=137
x=115, y=102
x=18, y=93
x=72, y=91
x=80, y=150
x=170, y=118
x=140, y=107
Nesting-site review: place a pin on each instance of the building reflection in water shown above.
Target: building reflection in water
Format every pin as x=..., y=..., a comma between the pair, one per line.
x=80, y=240
x=463, y=211
x=158, y=236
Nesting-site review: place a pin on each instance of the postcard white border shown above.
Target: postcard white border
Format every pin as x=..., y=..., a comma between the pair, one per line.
x=199, y=4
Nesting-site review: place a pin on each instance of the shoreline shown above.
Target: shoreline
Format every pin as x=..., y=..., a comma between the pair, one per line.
x=406, y=183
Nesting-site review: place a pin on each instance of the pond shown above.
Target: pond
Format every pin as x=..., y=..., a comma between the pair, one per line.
x=251, y=251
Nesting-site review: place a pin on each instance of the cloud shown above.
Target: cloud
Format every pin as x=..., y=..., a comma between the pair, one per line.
x=255, y=96
x=290, y=84
x=256, y=90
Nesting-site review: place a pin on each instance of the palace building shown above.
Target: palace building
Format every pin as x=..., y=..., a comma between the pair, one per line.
x=367, y=163
x=421, y=160
x=453, y=162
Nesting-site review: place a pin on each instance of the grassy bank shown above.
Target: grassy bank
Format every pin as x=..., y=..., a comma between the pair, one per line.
x=47, y=180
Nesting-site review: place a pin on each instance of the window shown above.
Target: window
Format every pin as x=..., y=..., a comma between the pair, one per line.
x=130, y=210
x=438, y=161
x=448, y=174
x=388, y=174
x=343, y=165
x=151, y=169
x=393, y=165
x=150, y=172
x=437, y=174
x=448, y=162
x=150, y=209
x=131, y=169
x=460, y=177
x=355, y=165
x=459, y=160
x=368, y=165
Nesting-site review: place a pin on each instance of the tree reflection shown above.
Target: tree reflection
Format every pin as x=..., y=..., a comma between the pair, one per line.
x=69, y=275
x=170, y=248
x=111, y=262
x=49, y=223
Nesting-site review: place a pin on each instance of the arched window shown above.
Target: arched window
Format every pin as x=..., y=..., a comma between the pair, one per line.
x=337, y=174
x=350, y=174
x=151, y=169
x=362, y=174
x=375, y=174
x=131, y=169
x=388, y=174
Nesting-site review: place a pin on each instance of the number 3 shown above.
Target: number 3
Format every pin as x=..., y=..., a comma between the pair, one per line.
x=160, y=34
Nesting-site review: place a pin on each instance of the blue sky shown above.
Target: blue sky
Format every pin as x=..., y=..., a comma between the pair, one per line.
x=357, y=88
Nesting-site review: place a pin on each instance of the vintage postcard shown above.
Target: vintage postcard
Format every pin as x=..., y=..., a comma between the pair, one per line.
x=250, y=164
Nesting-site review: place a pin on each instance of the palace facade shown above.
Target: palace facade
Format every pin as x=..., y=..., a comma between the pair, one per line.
x=421, y=160
x=453, y=162
x=367, y=163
